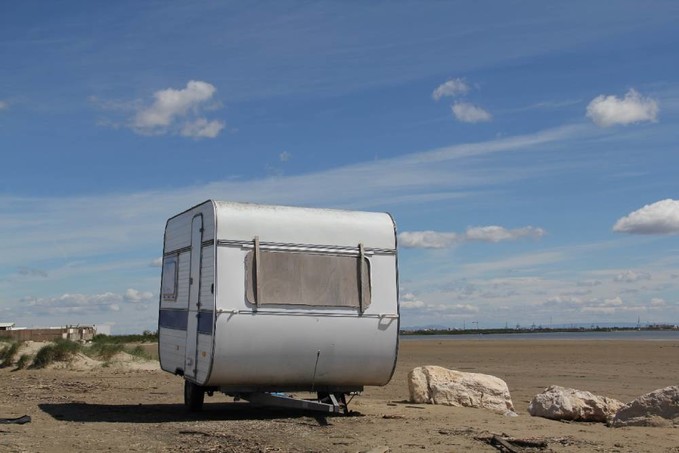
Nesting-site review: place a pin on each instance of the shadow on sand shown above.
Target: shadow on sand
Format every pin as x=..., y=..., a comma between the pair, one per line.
x=160, y=413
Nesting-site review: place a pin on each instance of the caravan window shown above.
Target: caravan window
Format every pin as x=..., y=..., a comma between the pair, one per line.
x=289, y=278
x=169, y=283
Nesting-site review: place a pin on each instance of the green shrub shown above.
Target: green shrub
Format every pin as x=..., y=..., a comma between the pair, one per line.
x=146, y=337
x=23, y=361
x=59, y=351
x=8, y=353
x=138, y=351
x=103, y=351
x=44, y=356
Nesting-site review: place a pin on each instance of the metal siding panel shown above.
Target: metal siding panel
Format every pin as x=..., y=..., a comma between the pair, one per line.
x=204, y=357
x=207, y=278
x=172, y=343
x=357, y=351
x=178, y=234
x=239, y=221
x=283, y=350
x=231, y=279
x=183, y=281
x=171, y=350
x=173, y=319
x=178, y=229
x=384, y=296
x=205, y=322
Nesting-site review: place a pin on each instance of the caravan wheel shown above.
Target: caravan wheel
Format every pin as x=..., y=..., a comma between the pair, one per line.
x=194, y=395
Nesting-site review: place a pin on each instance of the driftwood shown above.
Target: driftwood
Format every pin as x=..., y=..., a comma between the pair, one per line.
x=16, y=421
x=513, y=445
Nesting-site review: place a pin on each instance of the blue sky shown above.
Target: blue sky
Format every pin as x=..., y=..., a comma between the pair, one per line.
x=527, y=150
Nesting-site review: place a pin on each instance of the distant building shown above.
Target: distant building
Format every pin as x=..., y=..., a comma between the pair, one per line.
x=73, y=333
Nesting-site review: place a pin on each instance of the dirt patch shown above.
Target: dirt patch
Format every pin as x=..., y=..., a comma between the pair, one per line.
x=122, y=409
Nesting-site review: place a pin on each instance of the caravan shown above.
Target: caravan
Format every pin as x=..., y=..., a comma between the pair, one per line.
x=256, y=300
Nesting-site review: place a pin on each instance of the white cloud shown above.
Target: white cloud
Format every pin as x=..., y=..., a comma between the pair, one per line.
x=132, y=310
x=179, y=111
x=565, y=302
x=438, y=240
x=589, y=283
x=410, y=301
x=599, y=310
x=202, y=128
x=658, y=302
x=75, y=303
x=607, y=111
x=525, y=295
x=157, y=262
x=73, y=308
x=135, y=296
x=498, y=233
x=614, y=302
x=413, y=304
x=547, y=105
x=134, y=220
x=470, y=113
x=427, y=239
x=458, y=309
x=171, y=103
x=3, y=105
x=284, y=156
x=661, y=217
x=631, y=276
x=512, y=264
x=88, y=303
x=452, y=87
x=32, y=272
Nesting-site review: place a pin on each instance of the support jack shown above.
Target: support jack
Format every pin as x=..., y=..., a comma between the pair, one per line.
x=329, y=404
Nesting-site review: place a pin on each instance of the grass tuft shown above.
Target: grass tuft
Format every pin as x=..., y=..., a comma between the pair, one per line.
x=146, y=337
x=103, y=351
x=8, y=353
x=139, y=352
x=23, y=362
x=59, y=351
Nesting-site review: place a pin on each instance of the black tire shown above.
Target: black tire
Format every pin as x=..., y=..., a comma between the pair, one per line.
x=194, y=396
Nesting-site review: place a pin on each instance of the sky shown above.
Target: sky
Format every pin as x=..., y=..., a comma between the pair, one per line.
x=528, y=151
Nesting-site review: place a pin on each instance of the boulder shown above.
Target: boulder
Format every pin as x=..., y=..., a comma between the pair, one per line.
x=560, y=403
x=657, y=408
x=438, y=385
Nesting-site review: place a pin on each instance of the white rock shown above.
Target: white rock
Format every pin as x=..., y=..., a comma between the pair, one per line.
x=438, y=385
x=560, y=403
x=657, y=408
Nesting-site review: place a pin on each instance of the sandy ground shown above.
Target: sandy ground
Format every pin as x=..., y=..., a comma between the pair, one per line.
x=115, y=408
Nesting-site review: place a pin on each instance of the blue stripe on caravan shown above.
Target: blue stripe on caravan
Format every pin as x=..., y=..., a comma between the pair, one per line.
x=205, y=322
x=173, y=319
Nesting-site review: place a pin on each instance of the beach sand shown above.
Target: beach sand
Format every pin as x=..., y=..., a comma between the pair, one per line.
x=117, y=409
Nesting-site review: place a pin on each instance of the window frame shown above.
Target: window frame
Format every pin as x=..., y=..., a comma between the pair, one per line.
x=165, y=284
x=253, y=296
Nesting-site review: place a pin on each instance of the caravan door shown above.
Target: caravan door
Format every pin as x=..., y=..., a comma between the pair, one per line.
x=191, y=358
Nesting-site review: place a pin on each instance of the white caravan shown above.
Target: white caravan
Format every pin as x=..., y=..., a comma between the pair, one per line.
x=257, y=300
